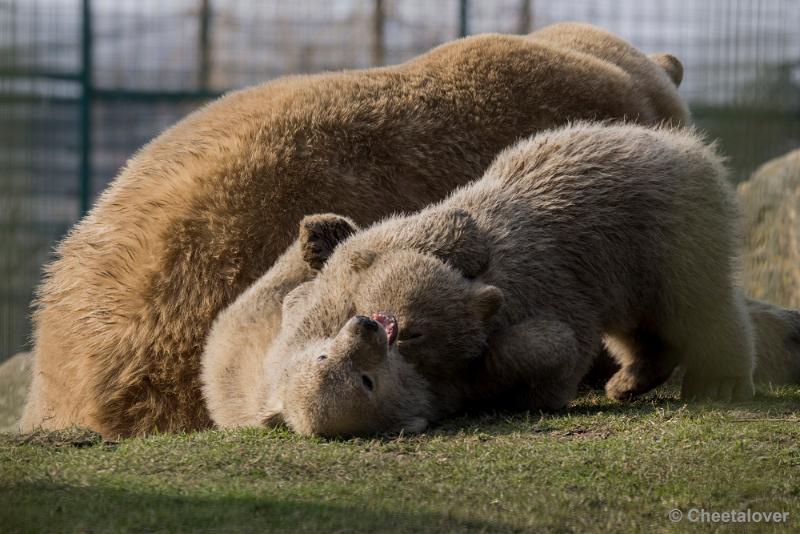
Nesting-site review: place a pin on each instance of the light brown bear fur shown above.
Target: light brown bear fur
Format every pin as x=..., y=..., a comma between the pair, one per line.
x=203, y=210
x=579, y=236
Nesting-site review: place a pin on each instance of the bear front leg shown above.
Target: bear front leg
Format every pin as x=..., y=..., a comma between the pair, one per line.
x=538, y=364
x=233, y=359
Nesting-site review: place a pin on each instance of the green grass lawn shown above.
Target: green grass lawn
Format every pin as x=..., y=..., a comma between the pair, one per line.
x=600, y=466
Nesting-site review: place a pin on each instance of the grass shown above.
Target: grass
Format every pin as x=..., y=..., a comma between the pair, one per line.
x=600, y=466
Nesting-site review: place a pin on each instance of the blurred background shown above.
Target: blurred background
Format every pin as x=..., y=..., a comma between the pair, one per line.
x=85, y=83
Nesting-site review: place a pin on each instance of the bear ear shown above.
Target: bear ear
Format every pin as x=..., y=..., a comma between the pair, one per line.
x=319, y=235
x=485, y=301
x=671, y=65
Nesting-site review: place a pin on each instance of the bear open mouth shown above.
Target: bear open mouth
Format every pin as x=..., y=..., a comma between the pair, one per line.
x=389, y=324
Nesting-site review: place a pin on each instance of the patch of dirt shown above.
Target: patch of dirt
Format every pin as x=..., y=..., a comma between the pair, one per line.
x=585, y=433
x=70, y=437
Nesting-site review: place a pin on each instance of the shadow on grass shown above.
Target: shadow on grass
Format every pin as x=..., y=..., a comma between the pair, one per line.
x=67, y=437
x=49, y=507
x=767, y=401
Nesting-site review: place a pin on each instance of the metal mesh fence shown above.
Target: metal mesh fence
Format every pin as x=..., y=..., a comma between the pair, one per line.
x=84, y=83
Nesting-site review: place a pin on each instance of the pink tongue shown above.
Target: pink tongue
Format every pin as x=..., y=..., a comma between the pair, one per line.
x=389, y=325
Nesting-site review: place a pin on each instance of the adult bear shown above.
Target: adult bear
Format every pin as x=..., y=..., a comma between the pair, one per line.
x=206, y=208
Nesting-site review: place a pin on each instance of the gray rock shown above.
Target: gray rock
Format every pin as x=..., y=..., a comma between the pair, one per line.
x=15, y=377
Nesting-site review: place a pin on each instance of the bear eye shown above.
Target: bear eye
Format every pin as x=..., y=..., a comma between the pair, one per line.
x=322, y=357
x=367, y=382
x=409, y=336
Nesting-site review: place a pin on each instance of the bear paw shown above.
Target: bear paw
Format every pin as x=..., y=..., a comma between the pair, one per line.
x=625, y=385
x=722, y=388
x=320, y=234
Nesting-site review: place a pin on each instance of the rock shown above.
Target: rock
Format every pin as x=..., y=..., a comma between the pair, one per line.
x=15, y=377
x=771, y=205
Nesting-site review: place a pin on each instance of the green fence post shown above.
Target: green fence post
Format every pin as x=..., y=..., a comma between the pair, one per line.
x=86, y=109
x=378, y=41
x=205, y=48
x=524, y=26
x=463, y=14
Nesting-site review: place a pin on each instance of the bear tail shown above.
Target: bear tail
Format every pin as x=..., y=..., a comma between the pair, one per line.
x=671, y=65
x=777, y=343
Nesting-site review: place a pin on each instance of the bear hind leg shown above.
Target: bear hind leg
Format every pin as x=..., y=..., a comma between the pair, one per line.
x=718, y=353
x=646, y=363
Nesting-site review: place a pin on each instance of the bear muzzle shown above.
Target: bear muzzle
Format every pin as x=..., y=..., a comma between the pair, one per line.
x=389, y=324
x=365, y=341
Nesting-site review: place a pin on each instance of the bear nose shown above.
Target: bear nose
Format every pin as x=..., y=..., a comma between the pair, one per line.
x=362, y=340
x=366, y=323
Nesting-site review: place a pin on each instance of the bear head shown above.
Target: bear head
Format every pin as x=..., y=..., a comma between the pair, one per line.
x=367, y=339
